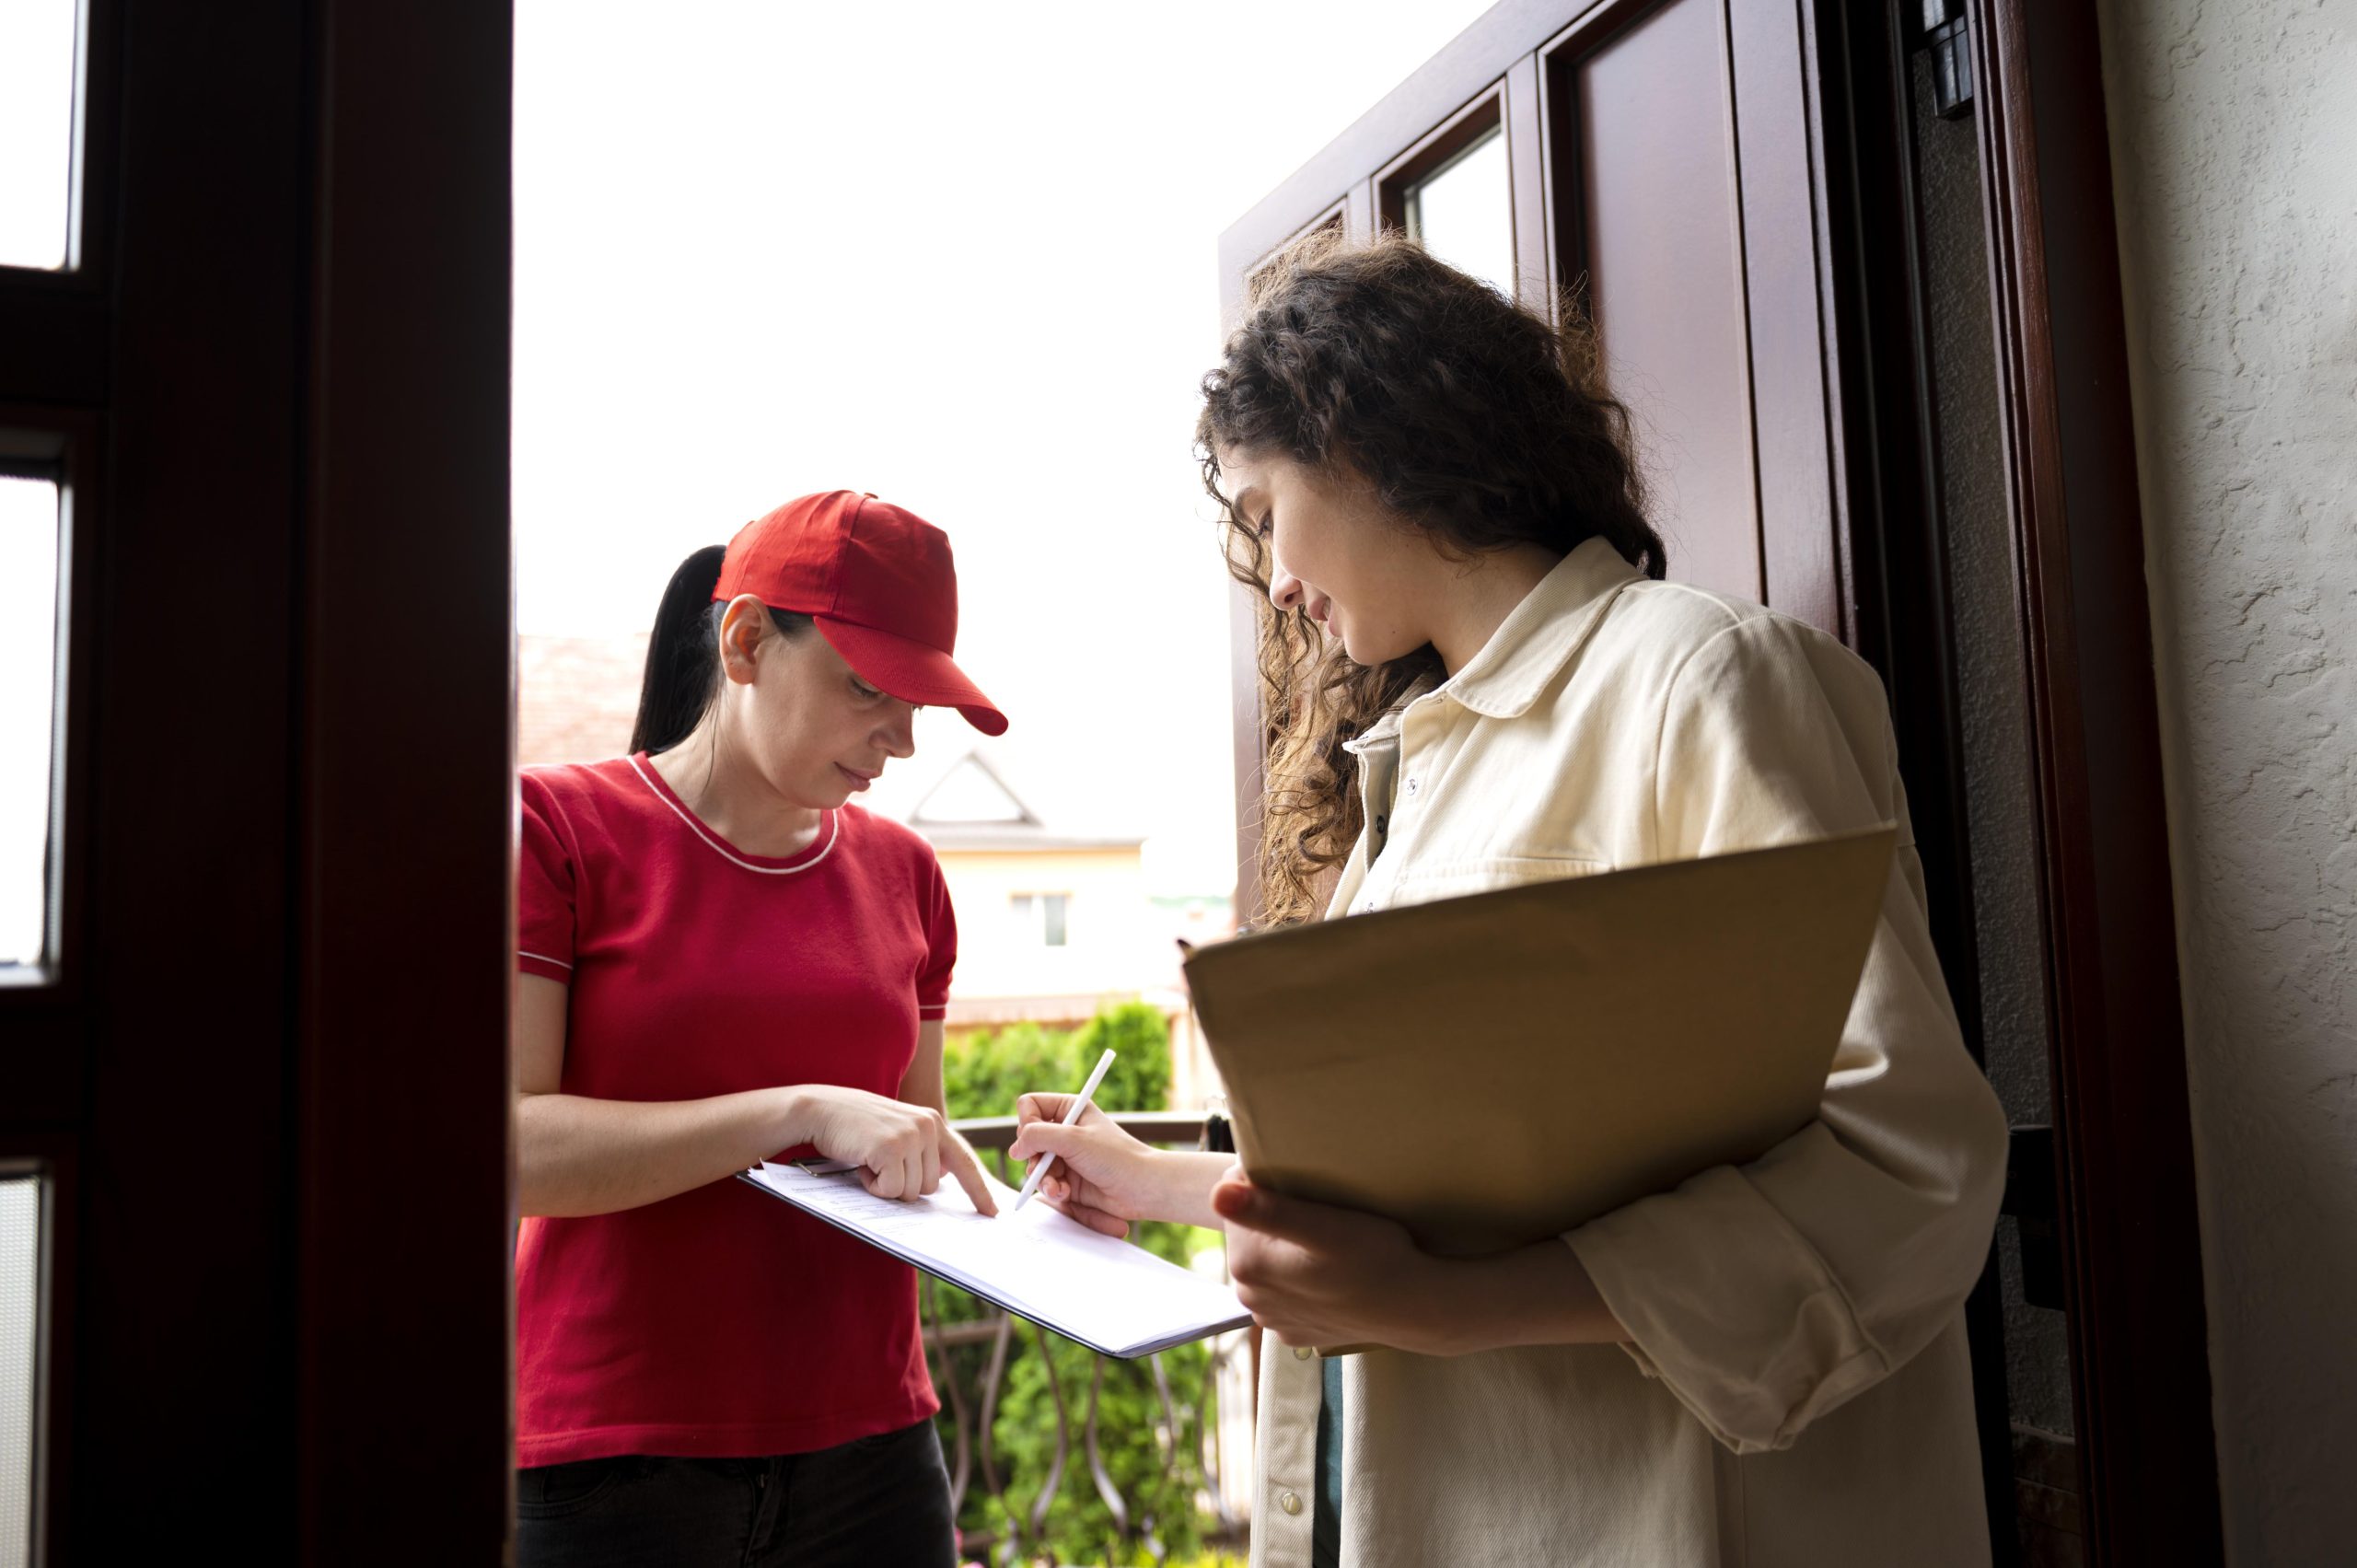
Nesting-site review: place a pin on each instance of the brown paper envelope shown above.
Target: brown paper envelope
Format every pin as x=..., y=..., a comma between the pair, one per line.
x=1493, y=1070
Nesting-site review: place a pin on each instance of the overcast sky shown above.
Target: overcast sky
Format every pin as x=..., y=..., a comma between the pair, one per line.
x=962, y=256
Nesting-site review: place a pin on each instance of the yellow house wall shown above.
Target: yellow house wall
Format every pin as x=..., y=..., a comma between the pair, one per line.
x=1113, y=944
x=1119, y=947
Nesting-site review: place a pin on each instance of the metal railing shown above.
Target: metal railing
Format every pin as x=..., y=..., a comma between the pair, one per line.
x=1186, y=1416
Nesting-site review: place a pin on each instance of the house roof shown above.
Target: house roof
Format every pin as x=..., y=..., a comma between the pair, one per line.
x=969, y=805
x=971, y=793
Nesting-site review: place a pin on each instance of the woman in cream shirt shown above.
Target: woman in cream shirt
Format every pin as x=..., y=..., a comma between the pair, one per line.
x=1477, y=677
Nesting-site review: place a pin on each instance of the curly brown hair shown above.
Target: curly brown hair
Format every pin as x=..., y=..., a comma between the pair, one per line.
x=1465, y=416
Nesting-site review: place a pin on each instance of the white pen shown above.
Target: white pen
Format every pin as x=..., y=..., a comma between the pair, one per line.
x=1071, y=1114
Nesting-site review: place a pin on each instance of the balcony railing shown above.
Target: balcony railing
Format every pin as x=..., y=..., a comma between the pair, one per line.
x=1188, y=1419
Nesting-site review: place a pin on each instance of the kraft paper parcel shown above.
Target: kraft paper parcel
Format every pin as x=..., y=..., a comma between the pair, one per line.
x=1495, y=1069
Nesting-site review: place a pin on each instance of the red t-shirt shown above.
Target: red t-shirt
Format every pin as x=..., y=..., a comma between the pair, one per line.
x=720, y=1323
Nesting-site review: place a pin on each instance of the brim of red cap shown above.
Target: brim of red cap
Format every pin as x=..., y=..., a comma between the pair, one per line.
x=912, y=672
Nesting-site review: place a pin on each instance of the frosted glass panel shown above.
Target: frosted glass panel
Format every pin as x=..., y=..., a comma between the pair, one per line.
x=19, y=1323
x=27, y=699
x=1464, y=213
x=37, y=38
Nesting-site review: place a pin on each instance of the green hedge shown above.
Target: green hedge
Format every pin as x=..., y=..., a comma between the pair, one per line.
x=986, y=1073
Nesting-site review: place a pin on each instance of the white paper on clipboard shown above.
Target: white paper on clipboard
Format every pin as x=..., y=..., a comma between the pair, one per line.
x=1110, y=1295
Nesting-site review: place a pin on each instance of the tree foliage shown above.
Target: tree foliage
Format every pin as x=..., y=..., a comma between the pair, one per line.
x=1157, y=1472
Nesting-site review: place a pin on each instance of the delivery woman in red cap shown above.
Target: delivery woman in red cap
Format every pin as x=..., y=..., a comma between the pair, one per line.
x=725, y=961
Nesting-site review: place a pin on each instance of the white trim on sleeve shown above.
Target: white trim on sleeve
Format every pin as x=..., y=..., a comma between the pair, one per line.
x=543, y=959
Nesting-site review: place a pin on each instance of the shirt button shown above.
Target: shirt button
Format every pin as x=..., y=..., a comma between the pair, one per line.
x=1302, y=1353
x=1412, y=787
x=1289, y=1502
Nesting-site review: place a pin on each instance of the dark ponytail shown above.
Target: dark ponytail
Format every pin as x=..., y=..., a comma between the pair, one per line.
x=683, y=655
x=682, y=662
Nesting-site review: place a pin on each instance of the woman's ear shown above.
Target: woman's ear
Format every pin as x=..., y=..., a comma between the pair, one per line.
x=743, y=625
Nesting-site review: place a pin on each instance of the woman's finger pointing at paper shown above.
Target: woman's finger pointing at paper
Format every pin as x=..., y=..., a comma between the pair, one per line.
x=958, y=1161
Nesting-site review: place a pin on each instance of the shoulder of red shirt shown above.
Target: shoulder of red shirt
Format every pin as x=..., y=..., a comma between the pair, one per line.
x=572, y=786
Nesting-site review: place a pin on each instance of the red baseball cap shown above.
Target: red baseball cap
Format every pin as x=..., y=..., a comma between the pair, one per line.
x=878, y=580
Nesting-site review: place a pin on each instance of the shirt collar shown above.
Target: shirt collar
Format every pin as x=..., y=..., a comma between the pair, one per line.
x=1386, y=727
x=1539, y=636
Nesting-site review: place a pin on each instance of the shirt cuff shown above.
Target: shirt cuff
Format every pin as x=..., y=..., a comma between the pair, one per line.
x=1731, y=1309
x=542, y=964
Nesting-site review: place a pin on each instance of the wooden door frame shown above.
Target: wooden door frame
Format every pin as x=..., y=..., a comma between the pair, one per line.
x=406, y=942
x=2129, y=1226
x=2123, y=1141
x=269, y=1083
x=1888, y=474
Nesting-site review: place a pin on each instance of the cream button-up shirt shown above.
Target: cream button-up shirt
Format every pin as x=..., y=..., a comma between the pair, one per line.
x=1797, y=1391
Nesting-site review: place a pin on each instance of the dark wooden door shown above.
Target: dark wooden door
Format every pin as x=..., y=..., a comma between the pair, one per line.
x=255, y=1059
x=1681, y=187
x=1658, y=169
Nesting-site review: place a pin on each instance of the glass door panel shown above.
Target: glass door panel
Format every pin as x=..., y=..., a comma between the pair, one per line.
x=1463, y=212
x=20, y=1292
x=38, y=41
x=28, y=600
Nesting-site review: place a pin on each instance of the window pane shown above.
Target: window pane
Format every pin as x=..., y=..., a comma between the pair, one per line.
x=20, y=1320
x=27, y=697
x=37, y=38
x=1055, y=903
x=1464, y=213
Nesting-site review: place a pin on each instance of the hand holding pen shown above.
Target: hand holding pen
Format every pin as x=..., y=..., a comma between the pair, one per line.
x=1079, y=1103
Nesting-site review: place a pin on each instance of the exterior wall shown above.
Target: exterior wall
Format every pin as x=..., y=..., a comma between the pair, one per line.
x=2234, y=154
x=575, y=697
x=1113, y=946
x=1121, y=947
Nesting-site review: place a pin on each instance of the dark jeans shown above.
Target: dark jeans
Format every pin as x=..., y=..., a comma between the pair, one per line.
x=877, y=1502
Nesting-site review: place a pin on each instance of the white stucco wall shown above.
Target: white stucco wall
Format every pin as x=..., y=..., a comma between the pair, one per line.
x=2234, y=133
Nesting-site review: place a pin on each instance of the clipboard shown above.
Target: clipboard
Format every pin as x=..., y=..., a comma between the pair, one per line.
x=1100, y=1290
x=1499, y=1068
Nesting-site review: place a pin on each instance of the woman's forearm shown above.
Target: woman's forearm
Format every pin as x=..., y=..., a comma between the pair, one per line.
x=576, y=1155
x=1183, y=1183
x=1539, y=1294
